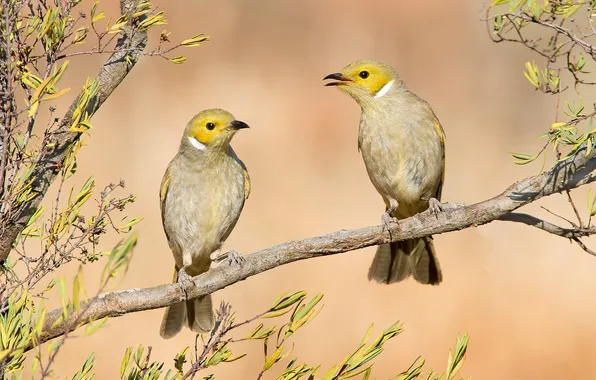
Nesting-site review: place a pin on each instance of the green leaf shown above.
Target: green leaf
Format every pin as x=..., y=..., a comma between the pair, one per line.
x=119, y=258
x=221, y=355
x=531, y=73
x=276, y=357
x=179, y=361
x=91, y=328
x=80, y=36
x=265, y=333
x=591, y=203
x=151, y=21
x=303, y=314
x=85, y=372
x=571, y=10
x=195, y=41
x=56, y=94
x=4, y=353
x=125, y=361
x=40, y=322
x=178, y=60
x=128, y=226
x=76, y=288
x=302, y=311
x=286, y=300
x=63, y=297
x=413, y=372
x=558, y=125
x=117, y=27
x=523, y=159
x=457, y=357
x=273, y=314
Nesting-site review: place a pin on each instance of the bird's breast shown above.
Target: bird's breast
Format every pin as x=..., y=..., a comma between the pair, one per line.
x=203, y=206
x=404, y=162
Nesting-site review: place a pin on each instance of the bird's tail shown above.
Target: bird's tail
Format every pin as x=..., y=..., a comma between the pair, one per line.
x=199, y=314
x=397, y=261
x=173, y=320
x=196, y=314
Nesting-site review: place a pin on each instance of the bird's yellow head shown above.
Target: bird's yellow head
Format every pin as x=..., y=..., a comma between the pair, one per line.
x=213, y=128
x=364, y=80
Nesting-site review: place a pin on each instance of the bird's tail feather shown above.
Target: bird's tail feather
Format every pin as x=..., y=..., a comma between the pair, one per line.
x=397, y=261
x=196, y=314
x=173, y=320
x=199, y=314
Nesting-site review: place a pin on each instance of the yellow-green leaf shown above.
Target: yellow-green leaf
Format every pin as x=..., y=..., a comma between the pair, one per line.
x=195, y=41
x=178, y=60
x=591, y=203
x=57, y=94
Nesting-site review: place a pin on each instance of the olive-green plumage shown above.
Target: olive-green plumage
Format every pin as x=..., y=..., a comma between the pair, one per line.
x=403, y=147
x=202, y=194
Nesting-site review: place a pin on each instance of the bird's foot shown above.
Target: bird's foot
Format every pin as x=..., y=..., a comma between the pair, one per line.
x=231, y=258
x=184, y=278
x=387, y=220
x=235, y=258
x=435, y=206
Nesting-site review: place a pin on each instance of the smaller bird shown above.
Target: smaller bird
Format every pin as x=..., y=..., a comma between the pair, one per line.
x=403, y=147
x=202, y=195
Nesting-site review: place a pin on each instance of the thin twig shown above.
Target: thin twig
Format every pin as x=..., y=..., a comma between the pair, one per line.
x=584, y=247
x=579, y=219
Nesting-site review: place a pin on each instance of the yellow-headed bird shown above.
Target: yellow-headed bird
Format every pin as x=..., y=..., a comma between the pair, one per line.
x=202, y=194
x=403, y=147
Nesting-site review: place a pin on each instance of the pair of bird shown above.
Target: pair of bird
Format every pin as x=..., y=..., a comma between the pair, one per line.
x=205, y=185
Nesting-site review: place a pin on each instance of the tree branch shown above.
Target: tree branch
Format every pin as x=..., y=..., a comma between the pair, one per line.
x=573, y=233
x=569, y=233
x=130, y=45
x=571, y=173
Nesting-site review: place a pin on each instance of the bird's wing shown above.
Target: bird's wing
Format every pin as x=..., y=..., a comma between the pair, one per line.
x=244, y=173
x=246, y=182
x=163, y=194
x=441, y=134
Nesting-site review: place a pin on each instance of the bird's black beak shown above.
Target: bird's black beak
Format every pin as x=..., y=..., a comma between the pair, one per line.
x=237, y=124
x=339, y=77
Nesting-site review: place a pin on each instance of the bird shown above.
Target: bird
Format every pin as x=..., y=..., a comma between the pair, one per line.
x=402, y=144
x=202, y=194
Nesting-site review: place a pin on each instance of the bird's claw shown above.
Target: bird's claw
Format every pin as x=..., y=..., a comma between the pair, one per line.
x=231, y=258
x=235, y=258
x=387, y=220
x=435, y=206
x=183, y=277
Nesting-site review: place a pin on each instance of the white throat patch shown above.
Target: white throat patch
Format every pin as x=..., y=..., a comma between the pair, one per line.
x=385, y=89
x=196, y=143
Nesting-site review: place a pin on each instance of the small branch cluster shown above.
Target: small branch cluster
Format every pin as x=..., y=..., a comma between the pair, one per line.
x=213, y=349
x=562, y=32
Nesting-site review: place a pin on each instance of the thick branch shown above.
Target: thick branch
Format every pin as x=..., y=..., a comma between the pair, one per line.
x=573, y=172
x=131, y=44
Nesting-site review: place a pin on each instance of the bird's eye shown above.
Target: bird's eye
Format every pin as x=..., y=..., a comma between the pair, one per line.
x=210, y=126
x=364, y=74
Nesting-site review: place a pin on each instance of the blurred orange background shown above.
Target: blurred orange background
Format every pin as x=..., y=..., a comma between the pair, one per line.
x=522, y=295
